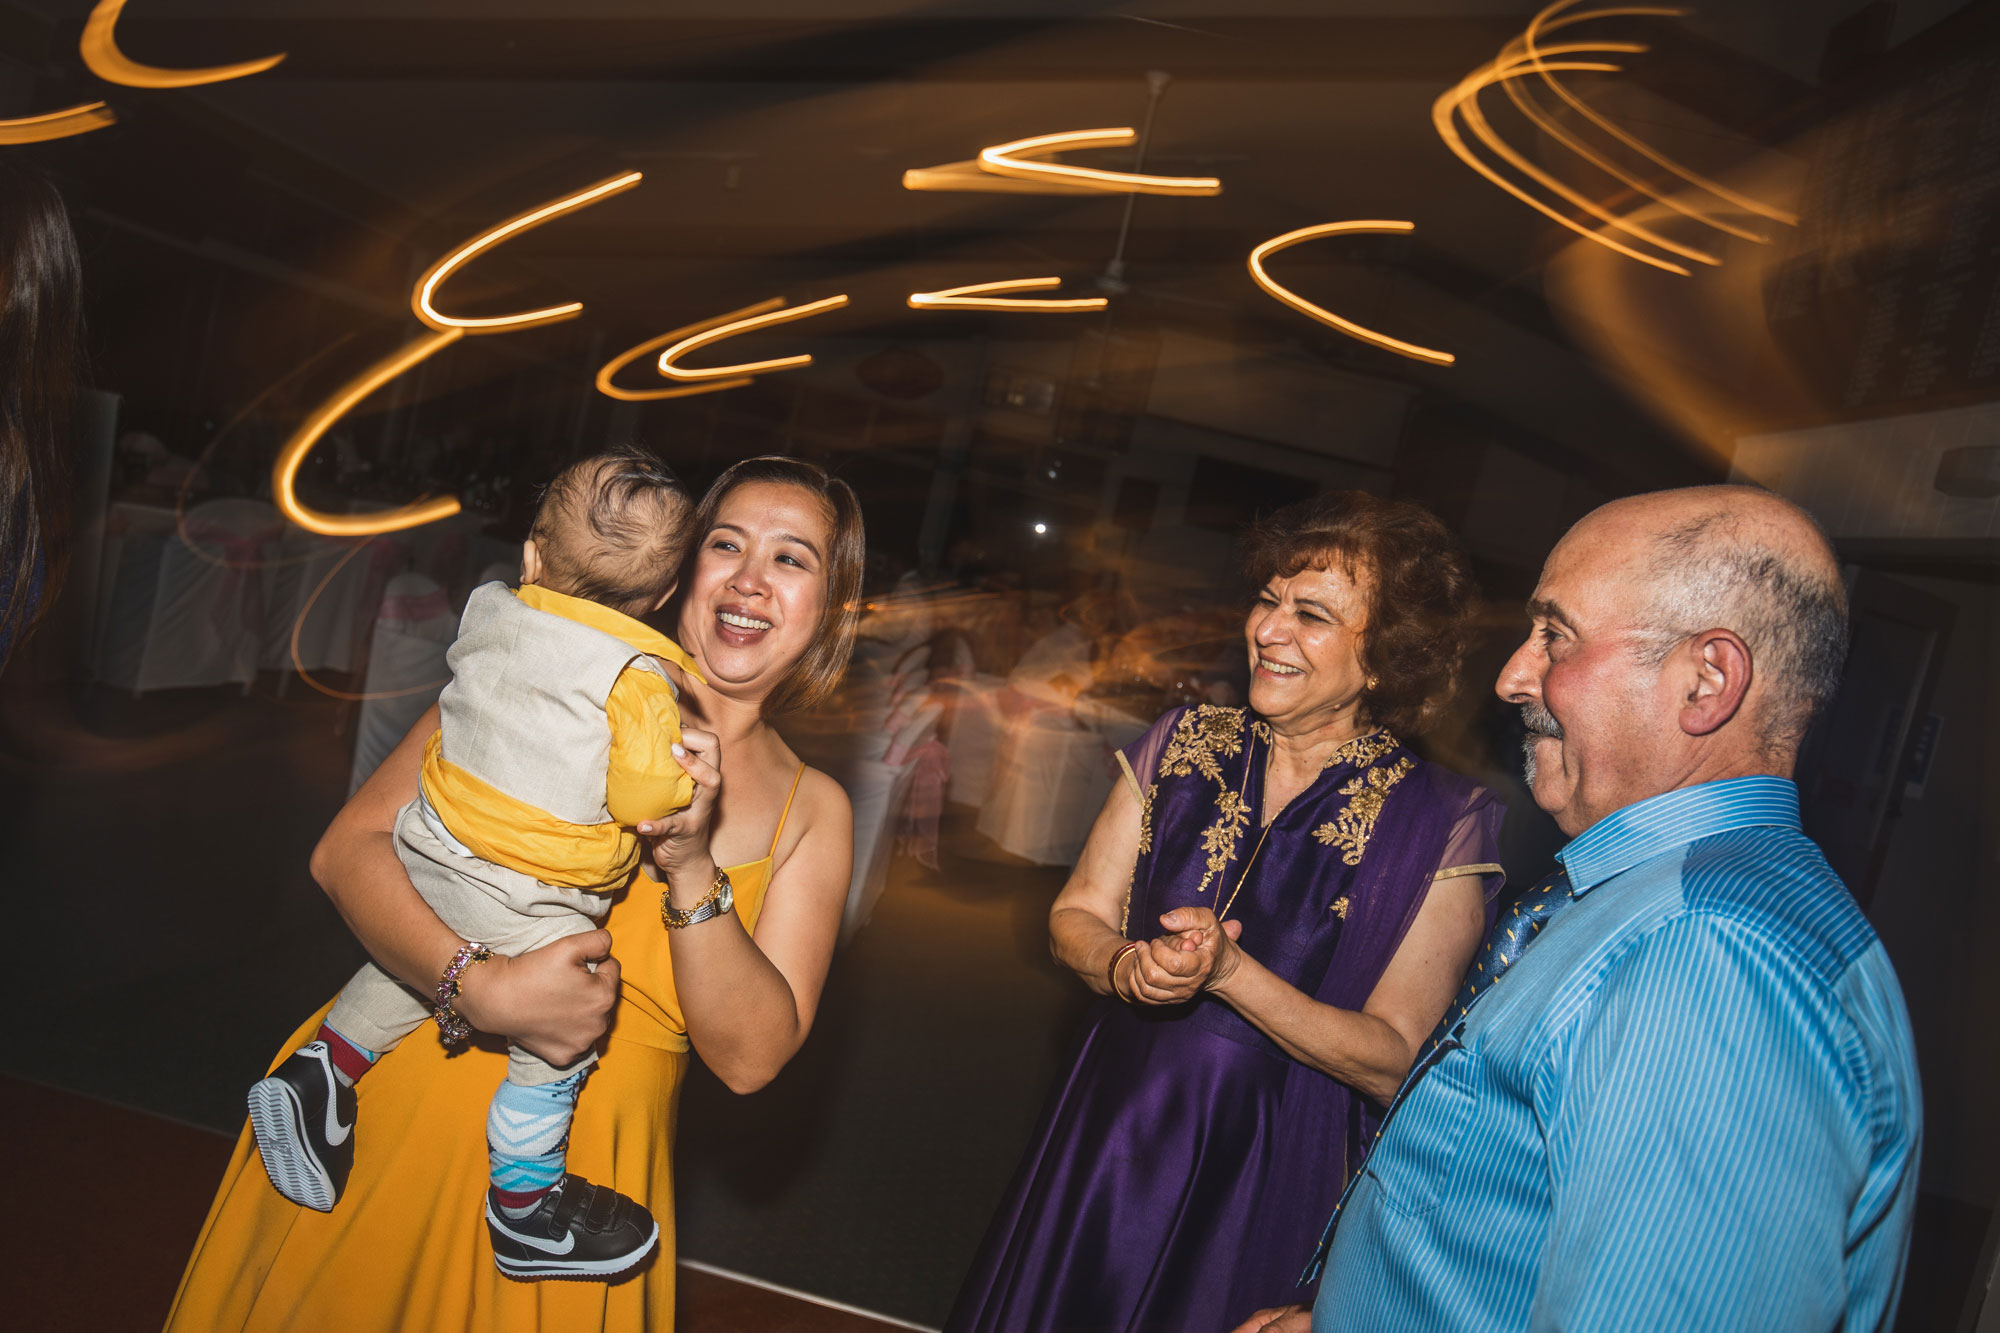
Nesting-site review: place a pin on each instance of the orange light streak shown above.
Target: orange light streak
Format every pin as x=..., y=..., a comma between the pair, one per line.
x=1527, y=55
x=1011, y=159
x=1443, y=113
x=1320, y=313
x=985, y=296
x=610, y=368
x=1525, y=102
x=434, y=276
x=967, y=176
x=731, y=329
x=292, y=456
x=107, y=62
x=79, y=119
x=1551, y=18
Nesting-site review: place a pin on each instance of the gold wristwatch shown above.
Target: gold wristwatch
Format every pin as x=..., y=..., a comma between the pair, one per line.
x=719, y=899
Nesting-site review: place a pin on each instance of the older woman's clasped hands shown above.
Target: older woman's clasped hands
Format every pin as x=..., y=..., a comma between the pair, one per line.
x=1196, y=953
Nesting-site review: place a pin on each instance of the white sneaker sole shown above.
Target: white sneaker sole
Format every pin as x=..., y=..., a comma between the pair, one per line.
x=559, y=1267
x=278, y=1122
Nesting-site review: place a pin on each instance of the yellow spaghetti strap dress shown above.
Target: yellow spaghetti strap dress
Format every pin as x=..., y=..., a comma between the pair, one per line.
x=406, y=1246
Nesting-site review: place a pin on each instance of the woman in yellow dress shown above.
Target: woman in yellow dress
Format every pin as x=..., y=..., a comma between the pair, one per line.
x=767, y=612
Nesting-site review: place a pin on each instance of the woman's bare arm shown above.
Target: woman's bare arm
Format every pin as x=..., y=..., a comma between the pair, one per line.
x=546, y=1000
x=1373, y=1047
x=750, y=1002
x=1085, y=923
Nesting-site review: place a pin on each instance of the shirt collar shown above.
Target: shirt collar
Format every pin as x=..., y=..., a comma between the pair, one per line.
x=633, y=633
x=1645, y=829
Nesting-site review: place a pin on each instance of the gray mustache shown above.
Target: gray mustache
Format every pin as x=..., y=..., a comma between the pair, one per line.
x=1539, y=722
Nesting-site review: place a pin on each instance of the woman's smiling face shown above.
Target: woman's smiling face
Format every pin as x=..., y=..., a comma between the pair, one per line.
x=754, y=599
x=1305, y=640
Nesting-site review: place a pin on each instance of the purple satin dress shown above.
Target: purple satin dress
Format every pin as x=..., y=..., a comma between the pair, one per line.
x=1184, y=1166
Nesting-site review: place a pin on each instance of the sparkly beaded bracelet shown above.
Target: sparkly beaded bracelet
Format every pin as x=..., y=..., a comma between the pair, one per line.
x=452, y=1027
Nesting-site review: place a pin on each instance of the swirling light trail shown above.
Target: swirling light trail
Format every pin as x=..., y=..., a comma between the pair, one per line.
x=1526, y=56
x=967, y=177
x=1551, y=18
x=1323, y=315
x=100, y=52
x=610, y=369
x=79, y=119
x=730, y=329
x=985, y=296
x=1012, y=159
x=292, y=456
x=434, y=276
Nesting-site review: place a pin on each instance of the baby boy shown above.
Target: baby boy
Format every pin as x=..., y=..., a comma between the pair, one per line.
x=556, y=736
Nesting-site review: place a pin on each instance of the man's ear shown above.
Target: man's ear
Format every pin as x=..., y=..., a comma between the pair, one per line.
x=668, y=595
x=531, y=562
x=1719, y=672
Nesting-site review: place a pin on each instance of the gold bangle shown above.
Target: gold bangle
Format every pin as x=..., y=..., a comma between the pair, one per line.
x=1125, y=951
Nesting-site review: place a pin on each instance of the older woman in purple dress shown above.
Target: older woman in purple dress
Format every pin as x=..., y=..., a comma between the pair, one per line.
x=1277, y=904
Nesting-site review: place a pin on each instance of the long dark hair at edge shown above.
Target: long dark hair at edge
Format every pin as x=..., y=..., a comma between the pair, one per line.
x=825, y=661
x=41, y=351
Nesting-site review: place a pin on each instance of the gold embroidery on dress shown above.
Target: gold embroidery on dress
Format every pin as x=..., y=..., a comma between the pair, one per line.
x=1232, y=814
x=1366, y=791
x=1363, y=751
x=1205, y=735
x=1145, y=845
x=1340, y=907
x=1202, y=738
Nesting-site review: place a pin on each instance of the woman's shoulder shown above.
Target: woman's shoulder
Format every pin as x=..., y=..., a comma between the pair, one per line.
x=819, y=804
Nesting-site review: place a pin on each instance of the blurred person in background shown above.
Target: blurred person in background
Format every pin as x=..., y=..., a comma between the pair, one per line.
x=1276, y=904
x=41, y=347
x=761, y=863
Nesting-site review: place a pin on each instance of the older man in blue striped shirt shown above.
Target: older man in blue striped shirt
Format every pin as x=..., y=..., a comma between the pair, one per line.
x=1692, y=1102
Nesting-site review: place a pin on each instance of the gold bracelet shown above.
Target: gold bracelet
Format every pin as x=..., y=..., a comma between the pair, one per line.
x=719, y=899
x=1125, y=951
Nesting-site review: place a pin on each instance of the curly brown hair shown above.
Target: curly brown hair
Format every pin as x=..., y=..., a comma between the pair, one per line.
x=1418, y=587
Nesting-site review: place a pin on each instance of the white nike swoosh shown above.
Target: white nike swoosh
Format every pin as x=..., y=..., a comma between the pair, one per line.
x=336, y=1133
x=546, y=1246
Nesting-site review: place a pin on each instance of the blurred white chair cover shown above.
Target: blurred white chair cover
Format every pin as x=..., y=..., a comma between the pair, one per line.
x=978, y=720
x=128, y=579
x=333, y=628
x=204, y=624
x=1049, y=782
x=406, y=669
x=867, y=737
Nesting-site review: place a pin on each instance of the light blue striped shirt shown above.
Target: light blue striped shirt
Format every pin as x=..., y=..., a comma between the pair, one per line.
x=1691, y=1105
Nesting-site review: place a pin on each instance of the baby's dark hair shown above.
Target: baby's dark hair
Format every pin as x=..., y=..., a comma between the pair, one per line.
x=612, y=528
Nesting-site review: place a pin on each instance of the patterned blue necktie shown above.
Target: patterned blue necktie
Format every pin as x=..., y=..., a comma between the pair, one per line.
x=1511, y=936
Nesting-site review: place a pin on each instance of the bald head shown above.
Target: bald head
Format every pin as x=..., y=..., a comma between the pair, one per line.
x=1741, y=559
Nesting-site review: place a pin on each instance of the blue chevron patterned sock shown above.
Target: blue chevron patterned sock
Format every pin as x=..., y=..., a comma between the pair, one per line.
x=527, y=1133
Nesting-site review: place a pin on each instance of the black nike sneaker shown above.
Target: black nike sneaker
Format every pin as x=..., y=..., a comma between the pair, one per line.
x=579, y=1230
x=303, y=1117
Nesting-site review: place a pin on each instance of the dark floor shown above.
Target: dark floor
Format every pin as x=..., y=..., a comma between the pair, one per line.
x=144, y=1184
x=165, y=937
